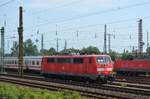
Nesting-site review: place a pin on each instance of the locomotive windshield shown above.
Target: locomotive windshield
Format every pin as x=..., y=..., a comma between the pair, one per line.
x=103, y=60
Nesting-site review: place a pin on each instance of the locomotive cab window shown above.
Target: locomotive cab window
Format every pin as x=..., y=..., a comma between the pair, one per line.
x=103, y=60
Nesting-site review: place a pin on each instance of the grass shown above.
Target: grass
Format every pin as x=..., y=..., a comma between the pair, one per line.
x=11, y=91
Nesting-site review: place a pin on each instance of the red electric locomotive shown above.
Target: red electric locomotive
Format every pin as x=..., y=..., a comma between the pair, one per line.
x=86, y=67
x=134, y=67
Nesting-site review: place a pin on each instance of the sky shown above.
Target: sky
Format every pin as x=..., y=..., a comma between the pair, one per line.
x=79, y=22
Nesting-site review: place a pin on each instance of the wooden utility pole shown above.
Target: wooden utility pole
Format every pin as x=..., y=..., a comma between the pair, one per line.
x=20, y=32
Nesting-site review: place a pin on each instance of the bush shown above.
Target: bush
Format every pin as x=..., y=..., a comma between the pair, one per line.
x=10, y=91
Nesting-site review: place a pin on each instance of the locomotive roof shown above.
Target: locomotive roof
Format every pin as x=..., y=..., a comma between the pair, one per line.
x=64, y=56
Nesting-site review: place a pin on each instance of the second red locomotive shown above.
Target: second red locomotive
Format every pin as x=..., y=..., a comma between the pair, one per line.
x=133, y=67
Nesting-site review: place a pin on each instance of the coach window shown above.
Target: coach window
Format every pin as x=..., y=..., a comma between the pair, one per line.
x=25, y=62
x=37, y=62
x=78, y=60
x=15, y=62
x=33, y=62
x=5, y=61
x=11, y=62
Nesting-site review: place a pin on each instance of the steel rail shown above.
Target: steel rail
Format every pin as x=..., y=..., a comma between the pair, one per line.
x=102, y=87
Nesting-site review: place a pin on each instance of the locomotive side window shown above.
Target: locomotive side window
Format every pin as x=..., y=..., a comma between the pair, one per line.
x=63, y=60
x=50, y=60
x=78, y=60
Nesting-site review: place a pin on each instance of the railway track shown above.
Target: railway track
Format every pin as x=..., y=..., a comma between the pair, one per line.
x=136, y=80
x=123, y=79
x=135, y=85
x=89, y=90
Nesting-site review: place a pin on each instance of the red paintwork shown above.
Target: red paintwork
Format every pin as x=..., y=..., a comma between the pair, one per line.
x=74, y=68
x=132, y=65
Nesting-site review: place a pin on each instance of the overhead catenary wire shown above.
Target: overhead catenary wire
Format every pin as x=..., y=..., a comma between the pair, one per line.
x=113, y=22
x=56, y=7
x=101, y=24
x=96, y=13
x=7, y=2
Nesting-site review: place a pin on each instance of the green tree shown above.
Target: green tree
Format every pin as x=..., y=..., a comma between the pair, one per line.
x=69, y=51
x=148, y=50
x=52, y=51
x=127, y=56
x=90, y=50
x=113, y=55
x=44, y=52
x=30, y=49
